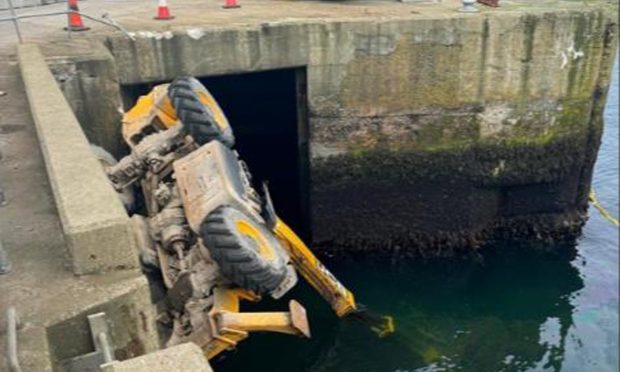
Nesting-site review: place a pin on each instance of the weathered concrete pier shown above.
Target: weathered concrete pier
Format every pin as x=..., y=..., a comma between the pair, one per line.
x=414, y=127
x=382, y=126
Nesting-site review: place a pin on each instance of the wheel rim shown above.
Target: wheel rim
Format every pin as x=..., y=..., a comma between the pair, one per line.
x=260, y=242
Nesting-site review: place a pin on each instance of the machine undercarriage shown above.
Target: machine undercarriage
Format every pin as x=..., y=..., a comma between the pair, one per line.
x=207, y=239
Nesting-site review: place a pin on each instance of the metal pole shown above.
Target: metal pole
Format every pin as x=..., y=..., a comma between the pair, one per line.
x=105, y=347
x=69, y=16
x=15, y=22
x=11, y=345
x=113, y=23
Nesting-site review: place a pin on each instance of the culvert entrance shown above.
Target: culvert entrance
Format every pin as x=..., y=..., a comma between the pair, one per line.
x=267, y=111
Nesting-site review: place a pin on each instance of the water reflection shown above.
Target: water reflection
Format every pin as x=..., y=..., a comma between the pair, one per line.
x=510, y=311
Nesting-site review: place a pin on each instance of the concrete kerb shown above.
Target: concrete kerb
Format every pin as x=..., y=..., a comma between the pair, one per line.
x=94, y=222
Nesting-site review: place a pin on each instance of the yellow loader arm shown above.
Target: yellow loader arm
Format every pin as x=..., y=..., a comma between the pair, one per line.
x=226, y=326
x=319, y=277
x=324, y=282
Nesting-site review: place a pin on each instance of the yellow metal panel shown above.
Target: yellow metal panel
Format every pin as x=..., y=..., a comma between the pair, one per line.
x=319, y=277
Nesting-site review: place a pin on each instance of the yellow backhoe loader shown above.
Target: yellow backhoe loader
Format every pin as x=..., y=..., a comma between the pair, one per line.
x=207, y=239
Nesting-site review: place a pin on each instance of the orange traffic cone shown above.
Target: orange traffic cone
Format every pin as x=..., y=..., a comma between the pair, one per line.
x=163, y=13
x=75, y=19
x=231, y=4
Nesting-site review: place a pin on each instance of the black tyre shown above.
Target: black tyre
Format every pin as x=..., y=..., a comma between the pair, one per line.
x=198, y=111
x=247, y=252
x=107, y=160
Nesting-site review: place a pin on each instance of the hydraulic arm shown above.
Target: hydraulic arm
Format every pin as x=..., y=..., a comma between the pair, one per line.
x=323, y=281
x=317, y=275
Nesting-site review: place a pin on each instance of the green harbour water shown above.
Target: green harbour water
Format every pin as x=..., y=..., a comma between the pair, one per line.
x=512, y=310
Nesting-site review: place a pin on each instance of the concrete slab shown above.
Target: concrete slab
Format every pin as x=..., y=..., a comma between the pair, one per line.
x=94, y=222
x=51, y=301
x=136, y=16
x=18, y=4
x=179, y=358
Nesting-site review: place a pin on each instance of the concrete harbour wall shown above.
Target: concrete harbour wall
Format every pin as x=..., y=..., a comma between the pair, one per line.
x=92, y=216
x=427, y=135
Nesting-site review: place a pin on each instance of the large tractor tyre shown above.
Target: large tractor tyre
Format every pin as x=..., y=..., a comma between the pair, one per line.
x=107, y=160
x=247, y=252
x=198, y=111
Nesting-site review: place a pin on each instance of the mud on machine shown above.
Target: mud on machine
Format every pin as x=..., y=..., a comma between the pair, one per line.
x=207, y=238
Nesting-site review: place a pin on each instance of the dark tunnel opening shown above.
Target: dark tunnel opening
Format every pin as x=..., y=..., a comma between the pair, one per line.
x=267, y=111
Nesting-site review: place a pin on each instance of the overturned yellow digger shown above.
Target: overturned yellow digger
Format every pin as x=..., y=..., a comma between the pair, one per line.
x=207, y=238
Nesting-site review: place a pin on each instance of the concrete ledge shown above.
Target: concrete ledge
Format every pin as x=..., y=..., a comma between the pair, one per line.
x=33, y=349
x=180, y=358
x=130, y=315
x=94, y=222
x=84, y=78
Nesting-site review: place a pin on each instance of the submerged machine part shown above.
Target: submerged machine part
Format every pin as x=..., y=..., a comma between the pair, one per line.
x=207, y=239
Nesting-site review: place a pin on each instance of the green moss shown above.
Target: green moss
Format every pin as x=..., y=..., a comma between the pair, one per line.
x=436, y=198
x=572, y=120
x=446, y=133
x=455, y=133
x=452, y=131
x=575, y=116
x=548, y=158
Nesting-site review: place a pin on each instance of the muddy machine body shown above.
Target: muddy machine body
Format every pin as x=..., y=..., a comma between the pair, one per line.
x=206, y=236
